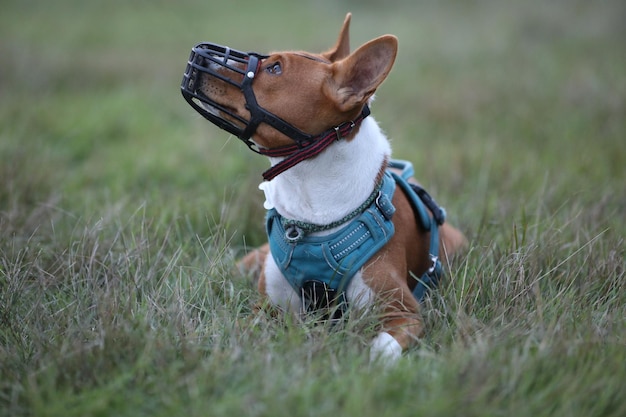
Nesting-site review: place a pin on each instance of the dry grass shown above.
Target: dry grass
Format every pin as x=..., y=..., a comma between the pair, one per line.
x=121, y=213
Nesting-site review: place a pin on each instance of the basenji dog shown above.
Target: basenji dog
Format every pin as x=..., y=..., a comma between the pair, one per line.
x=347, y=225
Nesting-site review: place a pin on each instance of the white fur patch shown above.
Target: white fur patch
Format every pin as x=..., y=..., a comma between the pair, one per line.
x=385, y=349
x=324, y=189
x=359, y=295
x=278, y=289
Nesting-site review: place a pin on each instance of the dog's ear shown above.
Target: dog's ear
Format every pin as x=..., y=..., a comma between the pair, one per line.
x=356, y=77
x=342, y=47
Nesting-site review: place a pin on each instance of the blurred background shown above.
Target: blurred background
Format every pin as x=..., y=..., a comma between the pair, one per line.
x=495, y=103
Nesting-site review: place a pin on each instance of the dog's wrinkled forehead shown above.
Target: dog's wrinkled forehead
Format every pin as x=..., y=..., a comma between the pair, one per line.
x=312, y=57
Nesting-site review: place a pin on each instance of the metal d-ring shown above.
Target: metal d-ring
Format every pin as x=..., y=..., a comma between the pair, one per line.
x=293, y=234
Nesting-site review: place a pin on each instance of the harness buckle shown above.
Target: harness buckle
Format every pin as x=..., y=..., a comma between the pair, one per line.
x=339, y=128
x=384, y=205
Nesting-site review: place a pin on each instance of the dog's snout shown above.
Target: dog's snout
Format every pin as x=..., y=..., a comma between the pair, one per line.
x=211, y=87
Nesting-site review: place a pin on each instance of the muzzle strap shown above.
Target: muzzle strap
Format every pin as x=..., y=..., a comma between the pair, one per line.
x=256, y=117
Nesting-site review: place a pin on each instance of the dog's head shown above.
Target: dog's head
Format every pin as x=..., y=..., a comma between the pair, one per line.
x=285, y=96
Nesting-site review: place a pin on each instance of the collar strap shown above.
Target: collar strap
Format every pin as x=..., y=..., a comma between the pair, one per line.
x=301, y=150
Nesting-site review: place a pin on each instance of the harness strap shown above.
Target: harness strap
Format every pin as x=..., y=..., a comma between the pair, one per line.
x=420, y=200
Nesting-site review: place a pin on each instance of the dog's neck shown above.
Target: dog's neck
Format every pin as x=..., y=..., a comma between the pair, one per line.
x=326, y=188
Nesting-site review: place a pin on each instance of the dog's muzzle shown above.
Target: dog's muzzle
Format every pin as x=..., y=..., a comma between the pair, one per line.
x=238, y=69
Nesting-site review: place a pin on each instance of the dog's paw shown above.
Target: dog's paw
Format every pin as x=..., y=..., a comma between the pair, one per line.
x=385, y=349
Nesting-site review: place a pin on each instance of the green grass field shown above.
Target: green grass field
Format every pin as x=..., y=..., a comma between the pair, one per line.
x=122, y=212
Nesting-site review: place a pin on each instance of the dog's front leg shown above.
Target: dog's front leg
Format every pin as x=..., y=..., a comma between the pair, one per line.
x=274, y=285
x=384, y=346
x=401, y=320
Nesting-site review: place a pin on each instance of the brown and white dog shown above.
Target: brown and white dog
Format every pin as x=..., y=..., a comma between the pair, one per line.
x=301, y=96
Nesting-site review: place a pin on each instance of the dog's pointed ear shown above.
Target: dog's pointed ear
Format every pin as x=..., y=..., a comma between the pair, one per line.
x=356, y=77
x=342, y=47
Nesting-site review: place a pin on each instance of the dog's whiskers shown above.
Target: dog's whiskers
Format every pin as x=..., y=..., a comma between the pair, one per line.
x=226, y=143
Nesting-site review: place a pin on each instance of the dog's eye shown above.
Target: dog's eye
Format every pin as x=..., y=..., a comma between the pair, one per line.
x=274, y=69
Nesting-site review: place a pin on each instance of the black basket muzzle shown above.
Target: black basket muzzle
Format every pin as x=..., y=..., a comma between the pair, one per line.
x=209, y=63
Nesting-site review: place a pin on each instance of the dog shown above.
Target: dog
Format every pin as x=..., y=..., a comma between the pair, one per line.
x=347, y=225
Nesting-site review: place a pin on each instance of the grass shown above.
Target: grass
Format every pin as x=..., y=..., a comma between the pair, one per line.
x=122, y=212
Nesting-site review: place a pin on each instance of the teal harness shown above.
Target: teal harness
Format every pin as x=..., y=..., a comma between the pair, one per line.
x=319, y=268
